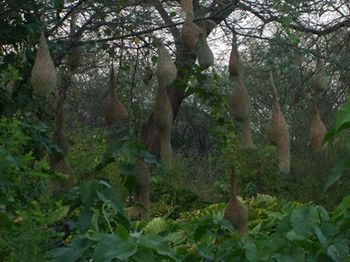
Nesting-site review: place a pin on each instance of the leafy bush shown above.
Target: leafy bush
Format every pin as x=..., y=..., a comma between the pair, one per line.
x=278, y=231
x=26, y=210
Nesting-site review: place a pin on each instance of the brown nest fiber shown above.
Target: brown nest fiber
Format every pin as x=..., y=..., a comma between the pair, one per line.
x=320, y=80
x=187, y=7
x=234, y=66
x=278, y=133
x=163, y=116
x=204, y=54
x=240, y=102
x=44, y=77
x=148, y=74
x=245, y=138
x=114, y=110
x=318, y=131
x=166, y=69
x=236, y=212
x=190, y=34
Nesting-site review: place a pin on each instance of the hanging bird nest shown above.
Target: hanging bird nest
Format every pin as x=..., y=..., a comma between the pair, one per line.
x=163, y=117
x=44, y=77
x=318, y=131
x=190, y=34
x=240, y=102
x=187, y=8
x=114, y=110
x=245, y=138
x=320, y=78
x=166, y=69
x=204, y=54
x=234, y=66
x=148, y=74
x=236, y=212
x=278, y=133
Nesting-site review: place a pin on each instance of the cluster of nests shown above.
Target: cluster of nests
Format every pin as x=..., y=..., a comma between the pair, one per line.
x=194, y=39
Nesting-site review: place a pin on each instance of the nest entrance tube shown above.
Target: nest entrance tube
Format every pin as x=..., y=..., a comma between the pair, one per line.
x=278, y=133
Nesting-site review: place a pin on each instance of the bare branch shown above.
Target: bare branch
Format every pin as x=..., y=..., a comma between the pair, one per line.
x=65, y=17
x=159, y=7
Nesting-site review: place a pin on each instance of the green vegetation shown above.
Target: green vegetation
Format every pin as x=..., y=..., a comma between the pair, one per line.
x=140, y=164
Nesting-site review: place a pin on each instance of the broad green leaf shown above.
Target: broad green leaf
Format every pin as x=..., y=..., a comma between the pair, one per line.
x=338, y=250
x=148, y=157
x=123, y=232
x=337, y=172
x=323, y=213
x=127, y=169
x=111, y=246
x=342, y=207
x=304, y=220
x=295, y=254
x=329, y=230
x=343, y=117
x=129, y=151
x=156, y=225
x=66, y=254
x=110, y=194
x=250, y=251
x=157, y=244
x=293, y=236
x=88, y=192
x=84, y=220
x=321, y=237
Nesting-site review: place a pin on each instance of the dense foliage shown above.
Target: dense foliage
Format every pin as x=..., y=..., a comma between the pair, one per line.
x=91, y=209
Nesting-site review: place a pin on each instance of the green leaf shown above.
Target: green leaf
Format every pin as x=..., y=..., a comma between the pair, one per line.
x=88, y=192
x=157, y=244
x=66, y=254
x=84, y=220
x=338, y=250
x=148, y=157
x=200, y=231
x=127, y=169
x=250, y=251
x=337, y=172
x=109, y=194
x=321, y=237
x=293, y=236
x=156, y=225
x=342, y=207
x=72, y=253
x=111, y=246
x=343, y=117
x=304, y=220
x=123, y=232
x=323, y=213
x=329, y=230
x=129, y=151
x=5, y=220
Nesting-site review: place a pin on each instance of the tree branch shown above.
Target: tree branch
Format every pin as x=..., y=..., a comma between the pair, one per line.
x=297, y=27
x=217, y=16
x=159, y=7
x=71, y=9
